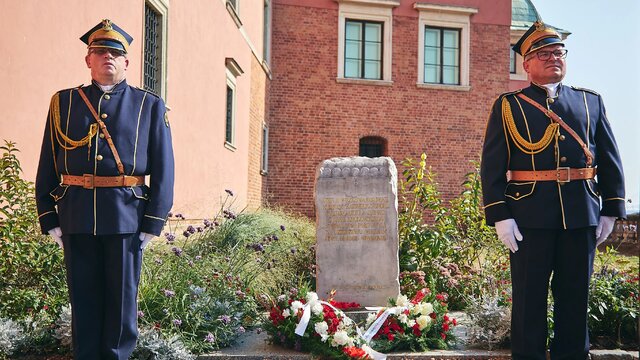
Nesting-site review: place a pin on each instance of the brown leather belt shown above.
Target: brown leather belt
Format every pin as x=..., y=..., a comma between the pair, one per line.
x=89, y=181
x=561, y=174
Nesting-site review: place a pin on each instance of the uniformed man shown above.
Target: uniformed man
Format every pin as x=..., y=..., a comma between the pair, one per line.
x=553, y=186
x=100, y=143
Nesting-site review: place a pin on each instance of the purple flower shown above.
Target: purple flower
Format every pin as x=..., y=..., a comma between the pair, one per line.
x=140, y=314
x=177, y=251
x=209, y=338
x=190, y=263
x=169, y=293
x=225, y=319
x=215, y=223
x=169, y=237
x=240, y=294
x=240, y=330
x=177, y=322
x=282, y=227
x=274, y=237
x=206, y=223
x=186, y=233
x=170, y=214
x=228, y=192
x=258, y=330
x=293, y=250
x=199, y=229
x=293, y=291
x=158, y=261
x=180, y=216
x=198, y=257
x=191, y=229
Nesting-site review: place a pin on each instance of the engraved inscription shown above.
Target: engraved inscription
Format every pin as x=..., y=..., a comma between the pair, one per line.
x=353, y=219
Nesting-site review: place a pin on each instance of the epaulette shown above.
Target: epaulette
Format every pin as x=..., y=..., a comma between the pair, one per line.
x=71, y=88
x=147, y=91
x=509, y=93
x=584, y=89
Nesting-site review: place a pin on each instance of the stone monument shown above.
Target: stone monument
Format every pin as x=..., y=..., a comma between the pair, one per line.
x=356, y=202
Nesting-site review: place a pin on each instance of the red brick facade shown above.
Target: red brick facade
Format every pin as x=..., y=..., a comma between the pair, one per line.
x=312, y=117
x=256, y=186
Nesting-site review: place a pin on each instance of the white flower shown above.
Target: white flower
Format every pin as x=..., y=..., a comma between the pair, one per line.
x=423, y=321
x=340, y=338
x=423, y=308
x=402, y=300
x=371, y=318
x=286, y=313
x=347, y=321
x=403, y=318
x=321, y=328
x=316, y=308
x=295, y=306
x=411, y=323
x=312, y=297
x=324, y=337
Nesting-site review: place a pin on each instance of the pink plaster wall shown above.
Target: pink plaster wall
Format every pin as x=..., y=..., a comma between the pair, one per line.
x=43, y=54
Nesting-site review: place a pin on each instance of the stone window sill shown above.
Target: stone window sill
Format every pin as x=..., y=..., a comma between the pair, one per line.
x=364, y=82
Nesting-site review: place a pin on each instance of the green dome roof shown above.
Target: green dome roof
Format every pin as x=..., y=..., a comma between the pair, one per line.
x=524, y=14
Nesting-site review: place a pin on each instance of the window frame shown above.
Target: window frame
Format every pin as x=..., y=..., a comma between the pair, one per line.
x=363, y=58
x=441, y=65
x=264, y=159
x=449, y=17
x=371, y=11
x=373, y=140
x=233, y=70
x=161, y=7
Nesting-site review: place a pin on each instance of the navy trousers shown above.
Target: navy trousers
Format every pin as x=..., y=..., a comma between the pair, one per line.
x=568, y=255
x=103, y=273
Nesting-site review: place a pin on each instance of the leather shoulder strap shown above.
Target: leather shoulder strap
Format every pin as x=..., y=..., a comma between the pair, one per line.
x=103, y=129
x=553, y=116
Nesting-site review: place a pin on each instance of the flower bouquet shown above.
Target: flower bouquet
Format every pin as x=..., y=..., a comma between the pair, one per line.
x=301, y=321
x=419, y=324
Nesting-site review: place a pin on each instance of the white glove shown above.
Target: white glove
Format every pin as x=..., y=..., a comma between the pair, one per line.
x=508, y=232
x=604, y=229
x=56, y=234
x=145, y=238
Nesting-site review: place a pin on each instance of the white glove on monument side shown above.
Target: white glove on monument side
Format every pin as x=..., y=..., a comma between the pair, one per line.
x=604, y=229
x=56, y=234
x=145, y=238
x=508, y=232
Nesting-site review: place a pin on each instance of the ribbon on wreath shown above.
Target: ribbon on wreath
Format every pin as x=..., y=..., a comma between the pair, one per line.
x=306, y=316
x=377, y=324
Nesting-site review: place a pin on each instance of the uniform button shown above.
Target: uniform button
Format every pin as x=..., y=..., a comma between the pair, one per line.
x=551, y=101
x=99, y=157
x=107, y=97
x=562, y=138
x=517, y=194
x=101, y=136
x=104, y=116
x=563, y=159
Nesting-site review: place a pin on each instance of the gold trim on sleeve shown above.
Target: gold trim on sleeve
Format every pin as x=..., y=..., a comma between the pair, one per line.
x=154, y=217
x=615, y=198
x=45, y=213
x=494, y=203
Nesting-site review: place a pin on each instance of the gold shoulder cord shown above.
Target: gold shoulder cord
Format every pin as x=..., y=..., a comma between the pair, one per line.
x=522, y=144
x=65, y=141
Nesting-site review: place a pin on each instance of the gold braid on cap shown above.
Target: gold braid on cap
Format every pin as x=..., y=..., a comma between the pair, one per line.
x=541, y=32
x=107, y=32
x=522, y=144
x=63, y=140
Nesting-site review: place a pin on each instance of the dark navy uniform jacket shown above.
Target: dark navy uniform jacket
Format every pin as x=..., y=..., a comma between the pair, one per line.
x=136, y=120
x=549, y=204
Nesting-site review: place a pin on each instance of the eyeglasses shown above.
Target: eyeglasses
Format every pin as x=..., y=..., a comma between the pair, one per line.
x=102, y=51
x=544, y=55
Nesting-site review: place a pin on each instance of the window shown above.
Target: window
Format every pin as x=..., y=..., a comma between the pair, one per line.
x=264, y=165
x=364, y=41
x=151, y=58
x=363, y=49
x=441, y=56
x=512, y=60
x=372, y=146
x=444, y=43
x=154, y=52
x=233, y=71
x=266, y=32
x=230, y=115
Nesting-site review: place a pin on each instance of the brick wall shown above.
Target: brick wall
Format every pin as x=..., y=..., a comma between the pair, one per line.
x=312, y=117
x=257, y=117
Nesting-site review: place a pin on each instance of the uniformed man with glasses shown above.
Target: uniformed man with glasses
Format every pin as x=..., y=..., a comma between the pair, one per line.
x=553, y=187
x=104, y=188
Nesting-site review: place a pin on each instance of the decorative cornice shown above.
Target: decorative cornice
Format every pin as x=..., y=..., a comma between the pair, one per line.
x=380, y=3
x=233, y=66
x=420, y=6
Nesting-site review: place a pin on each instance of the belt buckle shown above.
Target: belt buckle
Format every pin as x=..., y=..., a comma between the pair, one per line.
x=88, y=181
x=558, y=177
